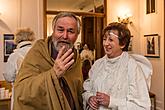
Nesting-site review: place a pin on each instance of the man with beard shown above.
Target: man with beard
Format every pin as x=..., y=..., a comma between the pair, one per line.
x=50, y=77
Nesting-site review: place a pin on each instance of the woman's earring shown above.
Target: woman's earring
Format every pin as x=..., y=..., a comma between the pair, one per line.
x=121, y=47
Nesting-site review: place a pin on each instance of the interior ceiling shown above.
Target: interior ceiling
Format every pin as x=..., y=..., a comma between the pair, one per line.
x=73, y=5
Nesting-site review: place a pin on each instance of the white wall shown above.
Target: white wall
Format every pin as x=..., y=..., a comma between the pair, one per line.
x=144, y=24
x=16, y=14
x=119, y=7
x=154, y=24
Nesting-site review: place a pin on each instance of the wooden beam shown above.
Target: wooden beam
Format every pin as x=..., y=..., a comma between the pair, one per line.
x=88, y=14
x=44, y=19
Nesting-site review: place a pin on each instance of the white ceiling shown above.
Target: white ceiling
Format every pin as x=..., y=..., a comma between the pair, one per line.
x=73, y=5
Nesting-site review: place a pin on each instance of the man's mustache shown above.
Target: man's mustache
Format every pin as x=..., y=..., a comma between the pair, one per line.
x=64, y=41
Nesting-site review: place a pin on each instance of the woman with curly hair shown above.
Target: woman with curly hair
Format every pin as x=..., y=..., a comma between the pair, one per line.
x=118, y=81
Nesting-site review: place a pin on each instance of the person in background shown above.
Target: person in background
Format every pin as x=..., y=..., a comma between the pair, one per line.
x=23, y=39
x=87, y=59
x=79, y=47
x=87, y=54
x=86, y=66
x=50, y=77
x=118, y=81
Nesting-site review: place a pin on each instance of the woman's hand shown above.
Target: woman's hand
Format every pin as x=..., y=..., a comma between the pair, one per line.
x=63, y=61
x=103, y=99
x=92, y=101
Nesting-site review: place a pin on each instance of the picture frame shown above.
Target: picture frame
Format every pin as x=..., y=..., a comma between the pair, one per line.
x=150, y=6
x=152, y=45
x=9, y=45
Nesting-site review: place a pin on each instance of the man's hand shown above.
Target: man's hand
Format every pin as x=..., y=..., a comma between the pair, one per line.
x=63, y=61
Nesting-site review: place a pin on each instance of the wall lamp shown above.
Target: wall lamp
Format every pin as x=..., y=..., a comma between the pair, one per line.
x=124, y=20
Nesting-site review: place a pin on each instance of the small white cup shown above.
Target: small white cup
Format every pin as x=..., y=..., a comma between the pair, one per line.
x=2, y=93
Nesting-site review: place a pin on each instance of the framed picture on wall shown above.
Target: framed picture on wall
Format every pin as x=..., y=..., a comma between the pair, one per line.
x=9, y=45
x=150, y=6
x=152, y=45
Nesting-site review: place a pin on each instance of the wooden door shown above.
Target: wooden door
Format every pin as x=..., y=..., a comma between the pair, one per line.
x=92, y=34
x=88, y=32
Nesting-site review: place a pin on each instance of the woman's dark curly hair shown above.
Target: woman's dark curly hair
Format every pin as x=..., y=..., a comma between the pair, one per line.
x=123, y=31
